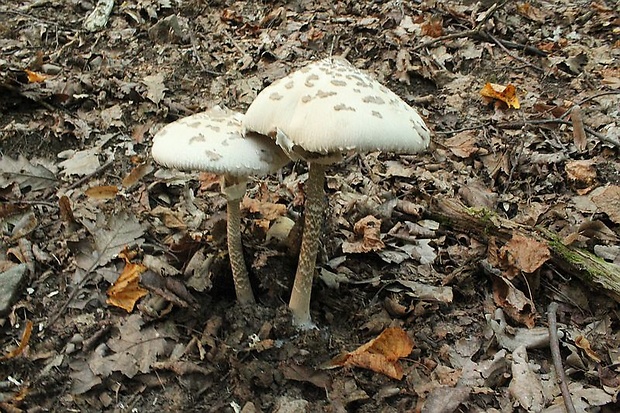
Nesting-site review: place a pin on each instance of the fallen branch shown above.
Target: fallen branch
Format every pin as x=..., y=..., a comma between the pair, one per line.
x=483, y=224
x=516, y=125
x=554, y=345
x=503, y=47
x=478, y=34
x=612, y=140
x=465, y=33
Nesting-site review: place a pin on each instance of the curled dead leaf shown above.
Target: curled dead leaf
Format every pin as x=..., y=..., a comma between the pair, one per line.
x=268, y=210
x=506, y=94
x=584, y=344
x=524, y=254
x=22, y=343
x=102, y=192
x=608, y=201
x=34, y=77
x=369, y=229
x=380, y=354
x=126, y=291
x=579, y=134
x=512, y=300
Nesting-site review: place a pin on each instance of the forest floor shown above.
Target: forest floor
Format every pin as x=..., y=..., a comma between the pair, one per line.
x=516, y=205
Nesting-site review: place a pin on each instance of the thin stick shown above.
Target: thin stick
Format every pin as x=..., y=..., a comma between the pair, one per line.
x=517, y=46
x=525, y=62
x=554, y=344
x=90, y=175
x=516, y=125
x=466, y=33
x=589, y=98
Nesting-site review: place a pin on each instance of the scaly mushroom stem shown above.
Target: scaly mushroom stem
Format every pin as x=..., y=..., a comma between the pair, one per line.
x=243, y=288
x=314, y=209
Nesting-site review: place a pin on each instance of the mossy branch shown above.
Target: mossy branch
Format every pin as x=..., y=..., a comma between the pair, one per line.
x=575, y=261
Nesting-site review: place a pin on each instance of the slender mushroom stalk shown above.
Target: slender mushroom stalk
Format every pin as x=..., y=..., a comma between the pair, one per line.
x=234, y=189
x=315, y=114
x=214, y=141
x=313, y=221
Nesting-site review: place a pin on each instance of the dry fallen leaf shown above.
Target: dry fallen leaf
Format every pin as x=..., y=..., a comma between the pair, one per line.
x=584, y=344
x=369, y=229
x=582, y=171
x=506, y=94
x=136, y=174
x=433, y=27
x=380, y=354
x=463, y=144
x=22, y=343
x=524, y=254
x=126, y=291
x=512, y=300
x=34, y=77
x=302, y=373
x=26, y=173
x=531, y=12
x=525, y=387
x=102, y=192
x=267, y=210
x=608, y=201
x=579, y=134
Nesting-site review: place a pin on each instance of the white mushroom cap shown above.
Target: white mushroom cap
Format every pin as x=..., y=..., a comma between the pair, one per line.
x=330, y=106
x=213, y=141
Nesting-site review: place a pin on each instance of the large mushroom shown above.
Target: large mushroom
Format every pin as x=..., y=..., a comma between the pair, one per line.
x=315, y=114
x=214, y=141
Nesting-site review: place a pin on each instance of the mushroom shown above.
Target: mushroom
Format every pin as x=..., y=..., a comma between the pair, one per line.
x=214, y=141
x=316, y=113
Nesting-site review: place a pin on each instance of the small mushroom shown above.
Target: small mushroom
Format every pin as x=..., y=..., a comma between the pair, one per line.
x=214, y=141
x=316, y=113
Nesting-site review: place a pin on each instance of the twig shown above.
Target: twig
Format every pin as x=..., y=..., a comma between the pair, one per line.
x=516, y=125
x=465, y=33
x=87, y=277
x=90, y=175
x=192, y=40
x=589, y=98
x=599, y=136
x=512, y=45
x=44, y=203
x=500, y=44
x=473, y=127
x=554, y=344
x=459, y=35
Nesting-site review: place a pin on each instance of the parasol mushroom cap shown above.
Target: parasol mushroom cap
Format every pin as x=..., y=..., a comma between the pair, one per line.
x=330, y=106
x=214, y=141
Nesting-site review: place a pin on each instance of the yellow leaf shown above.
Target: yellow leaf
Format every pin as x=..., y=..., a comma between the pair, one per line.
x=380, y=354
x=506, y=94
x=34, y=77
x=126, y=291
x=22, y=344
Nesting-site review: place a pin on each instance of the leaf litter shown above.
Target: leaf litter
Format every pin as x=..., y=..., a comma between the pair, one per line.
x=536, y=170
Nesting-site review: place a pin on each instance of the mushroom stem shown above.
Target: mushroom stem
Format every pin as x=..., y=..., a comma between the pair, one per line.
x=314, y=209
x=241, y=279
